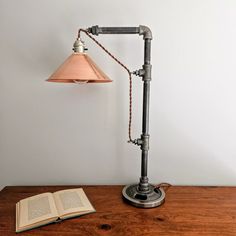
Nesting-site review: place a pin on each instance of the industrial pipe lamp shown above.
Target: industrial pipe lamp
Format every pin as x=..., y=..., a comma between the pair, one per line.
x=80, y=68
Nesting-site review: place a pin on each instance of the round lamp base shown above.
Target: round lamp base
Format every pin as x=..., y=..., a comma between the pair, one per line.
x=152, y=198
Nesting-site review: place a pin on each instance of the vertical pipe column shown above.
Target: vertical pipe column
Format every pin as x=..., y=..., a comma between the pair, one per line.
x=143, y=184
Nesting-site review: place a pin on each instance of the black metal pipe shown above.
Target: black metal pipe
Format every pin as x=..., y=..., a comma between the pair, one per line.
x=146, y=86
x=141, y=30
x=144, y=160
x=147, y=51
x=143, y=185
x=119, y=30
x=146, y=100
x=147, y=36
x=96, y=30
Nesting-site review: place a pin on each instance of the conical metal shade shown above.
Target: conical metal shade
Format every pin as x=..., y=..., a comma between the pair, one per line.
x=79, y=68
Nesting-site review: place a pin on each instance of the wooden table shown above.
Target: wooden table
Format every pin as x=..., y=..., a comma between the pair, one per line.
x=187, y=211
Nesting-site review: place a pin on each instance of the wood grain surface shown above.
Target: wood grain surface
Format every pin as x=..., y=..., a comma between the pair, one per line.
x=187, y=211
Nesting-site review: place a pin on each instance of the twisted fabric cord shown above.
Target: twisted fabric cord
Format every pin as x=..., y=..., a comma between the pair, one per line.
x=125, y=67
x=165, y=186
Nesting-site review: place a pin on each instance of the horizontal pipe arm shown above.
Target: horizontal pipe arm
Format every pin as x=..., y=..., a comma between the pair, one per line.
x=141, y=30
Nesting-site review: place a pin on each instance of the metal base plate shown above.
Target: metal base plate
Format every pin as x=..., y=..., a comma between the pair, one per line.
x=152, y=198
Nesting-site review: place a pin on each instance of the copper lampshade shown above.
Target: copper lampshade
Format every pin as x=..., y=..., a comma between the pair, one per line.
x=79, y=68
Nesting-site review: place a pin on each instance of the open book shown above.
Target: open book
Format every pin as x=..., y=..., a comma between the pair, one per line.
x=47, y=208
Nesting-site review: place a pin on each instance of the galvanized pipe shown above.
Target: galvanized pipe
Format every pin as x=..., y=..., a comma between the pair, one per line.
x=147, y=36
x=96, y=30
x=143, y=185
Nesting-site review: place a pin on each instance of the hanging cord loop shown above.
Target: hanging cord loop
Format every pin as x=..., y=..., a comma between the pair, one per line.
x=164, y=185
x=129, y=73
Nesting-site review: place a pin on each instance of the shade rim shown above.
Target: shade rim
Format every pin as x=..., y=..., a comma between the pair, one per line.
x=80, y=80
x=79, y=68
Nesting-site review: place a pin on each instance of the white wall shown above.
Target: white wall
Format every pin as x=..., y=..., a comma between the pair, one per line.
x=68, y=134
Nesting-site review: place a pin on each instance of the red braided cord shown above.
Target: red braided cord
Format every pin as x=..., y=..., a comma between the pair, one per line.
x=125, y=67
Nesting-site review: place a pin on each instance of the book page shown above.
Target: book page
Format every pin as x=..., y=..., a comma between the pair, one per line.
x=72, y=201
x=36, y=209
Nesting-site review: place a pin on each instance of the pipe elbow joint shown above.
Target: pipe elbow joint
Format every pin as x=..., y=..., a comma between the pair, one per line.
x=145, y=31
